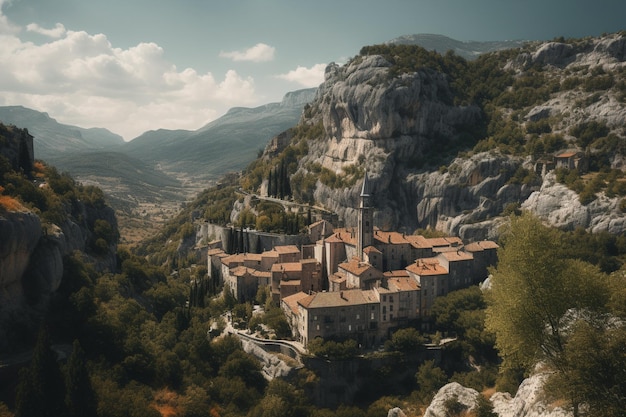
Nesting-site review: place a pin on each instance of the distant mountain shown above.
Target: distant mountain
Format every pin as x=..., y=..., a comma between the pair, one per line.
x=226, y=144
x=54, y=140
x=442, y=44
x=126, y=180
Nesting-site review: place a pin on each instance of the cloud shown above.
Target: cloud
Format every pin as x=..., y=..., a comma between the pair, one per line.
x=258, y=53
x=307, y=77
x=57, y=32
x=82, y=79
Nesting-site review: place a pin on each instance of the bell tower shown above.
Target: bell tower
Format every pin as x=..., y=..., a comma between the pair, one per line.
x=366, y=219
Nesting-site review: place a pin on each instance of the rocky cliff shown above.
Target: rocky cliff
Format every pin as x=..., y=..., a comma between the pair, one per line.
x=40, y=226
x=405, y=128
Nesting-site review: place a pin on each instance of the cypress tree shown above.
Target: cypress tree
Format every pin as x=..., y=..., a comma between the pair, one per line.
x=269, y=184
x=80, y=397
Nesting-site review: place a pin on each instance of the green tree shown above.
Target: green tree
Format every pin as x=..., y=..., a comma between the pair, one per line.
x=80, y=397
x=533, y=286
x=430, y=378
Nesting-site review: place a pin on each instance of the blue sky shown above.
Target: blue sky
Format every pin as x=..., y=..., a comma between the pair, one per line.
x=137, y=65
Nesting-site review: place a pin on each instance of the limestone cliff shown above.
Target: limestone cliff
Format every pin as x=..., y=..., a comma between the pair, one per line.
x=404, y=128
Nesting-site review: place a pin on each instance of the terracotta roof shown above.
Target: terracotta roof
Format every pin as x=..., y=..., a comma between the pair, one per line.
x=335, y=299
x=403, y=284
x=444, y=241
x=333, y=239
x=292, y=300
x=287, y=249
x=293, y=282
x=427, y=266
x=232, y=259
x=287, y=267
x=261, y=274
x=480, y=246
x=370, y=249
x=418, y=241
x=215, y=252
x=370, y=296
x=239, y=271
x=458, y=255
x=401, y=273
x=355, y=267
x=393, y=238
x=269, y=254
x=346, y=235
x=252, y=256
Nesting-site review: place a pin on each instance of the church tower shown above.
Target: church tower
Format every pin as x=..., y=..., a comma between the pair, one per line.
x=365, y=233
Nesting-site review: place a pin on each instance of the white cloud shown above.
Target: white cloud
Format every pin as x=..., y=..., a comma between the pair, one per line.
x=307, y=77
x=258, y=53
x=81, y=79
x=57, y=32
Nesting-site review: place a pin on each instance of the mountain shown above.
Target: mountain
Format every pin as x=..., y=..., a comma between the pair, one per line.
x=442, y=44
x=226, y=144
x=458, y=145
x=53, y=139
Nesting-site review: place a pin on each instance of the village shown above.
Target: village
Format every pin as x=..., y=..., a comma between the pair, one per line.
x=357, y=283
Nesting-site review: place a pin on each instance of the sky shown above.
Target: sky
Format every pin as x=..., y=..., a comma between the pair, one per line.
x=136, y=65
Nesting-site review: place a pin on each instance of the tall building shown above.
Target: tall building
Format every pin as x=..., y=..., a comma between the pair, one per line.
x=366, y=219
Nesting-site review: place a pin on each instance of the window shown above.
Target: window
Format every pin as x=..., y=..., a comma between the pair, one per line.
x=349, y=327
x=372, y=316
x=358, y=316
x=314, y=318
x=391, y=298
x=384, y=298
x=391, y=307
x=384, y=309
x=318, y=327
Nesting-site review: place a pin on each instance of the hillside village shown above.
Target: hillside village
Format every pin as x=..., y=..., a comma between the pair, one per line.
x=358, y=283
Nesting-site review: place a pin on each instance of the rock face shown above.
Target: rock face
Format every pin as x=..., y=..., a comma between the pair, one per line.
x=454, y=390
x=387, y=125
x=528, y=401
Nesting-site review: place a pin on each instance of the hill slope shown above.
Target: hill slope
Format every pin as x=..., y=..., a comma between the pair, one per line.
x=226, y=144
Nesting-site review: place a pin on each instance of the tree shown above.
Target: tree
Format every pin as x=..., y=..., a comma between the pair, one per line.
x=537, y=301
x=533, y=287
x=80, y=397
x=430, y=378
x=41, y=389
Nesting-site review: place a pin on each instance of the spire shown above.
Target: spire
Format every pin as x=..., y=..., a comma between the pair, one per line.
x=366, y=189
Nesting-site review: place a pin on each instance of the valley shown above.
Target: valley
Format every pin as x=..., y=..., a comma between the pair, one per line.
x=390, y=221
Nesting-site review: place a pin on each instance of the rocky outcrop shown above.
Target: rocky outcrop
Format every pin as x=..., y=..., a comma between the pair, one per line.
x=464, y=396
x=20, y=233
x=529, y=400
x=389, y=124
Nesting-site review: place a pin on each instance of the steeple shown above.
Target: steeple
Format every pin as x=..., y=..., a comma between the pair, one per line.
x=366, y=219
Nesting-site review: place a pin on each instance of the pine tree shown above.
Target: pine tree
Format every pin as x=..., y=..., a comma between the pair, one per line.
x=80, y=397
x=269, y=184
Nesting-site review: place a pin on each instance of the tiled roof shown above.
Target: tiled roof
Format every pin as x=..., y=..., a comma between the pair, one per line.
x=287, y=249
x=480, y=246
x=239, y=271
x=427, y=266
x=292, y=300
x=287, y=267
x=334, y=299
x=371, y=249
x=403, y=284
x=346, y=235
x=360, y=269
x=393, y=238
x=418, y=241
x=401, y=273
x=566, y=154
x=232, y=259
x=458, y=255
x=215, y=252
